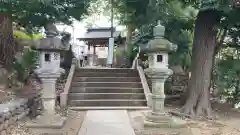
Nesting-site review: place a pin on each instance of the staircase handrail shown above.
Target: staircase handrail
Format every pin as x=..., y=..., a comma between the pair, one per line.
x=135, y=61
x=142, y=76
x=67, y=87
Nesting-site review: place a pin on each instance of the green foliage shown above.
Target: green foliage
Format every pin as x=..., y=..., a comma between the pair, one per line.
x=96, y=9
x=178, y=17
x=20, y=35
x=228, y=75
x=36, y=36
x=23, y=36
x=67, y=58
x=131, y=11
x=179, y=23
x=32, y=13
x=25, y=64
x=183, y=54
x=131, y=52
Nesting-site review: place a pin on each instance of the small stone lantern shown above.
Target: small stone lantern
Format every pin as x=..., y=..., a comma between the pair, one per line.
x=236, y=3
x=158, y=71
x=49, y=71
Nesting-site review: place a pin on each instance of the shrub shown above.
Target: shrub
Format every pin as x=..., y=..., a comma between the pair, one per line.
x=25, y=64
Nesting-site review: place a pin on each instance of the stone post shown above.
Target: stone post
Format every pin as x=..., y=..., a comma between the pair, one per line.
x=48, y=93
x=91, y=64
x=158, y=78
x=94, y=56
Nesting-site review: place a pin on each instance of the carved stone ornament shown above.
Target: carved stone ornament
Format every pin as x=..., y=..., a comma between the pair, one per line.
x=51, y=29
x=52, y=42
x=159, y=43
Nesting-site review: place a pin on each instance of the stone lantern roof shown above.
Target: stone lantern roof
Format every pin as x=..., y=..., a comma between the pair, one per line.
x=51, y=42
x=159, y=43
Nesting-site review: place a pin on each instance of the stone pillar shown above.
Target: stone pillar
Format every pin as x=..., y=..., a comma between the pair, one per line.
x=88, y=48
x=49, y=118
x=94, y=56
x=158, y=78
x=158, y=96
x=48, y=94
x=90, y=60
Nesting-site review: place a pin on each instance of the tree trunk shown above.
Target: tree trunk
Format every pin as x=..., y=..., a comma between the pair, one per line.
x=129, y=37
x=8, y=47
x=130, y=29
x=198, y=102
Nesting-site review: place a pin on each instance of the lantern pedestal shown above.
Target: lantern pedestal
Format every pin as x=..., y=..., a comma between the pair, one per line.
x=162, y=121
x=157, y=117
x=50, y=121
x=49, y=118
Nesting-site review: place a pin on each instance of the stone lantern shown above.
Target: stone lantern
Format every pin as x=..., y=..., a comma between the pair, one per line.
x=49, y=71
x=158, y=71
x=236, y=3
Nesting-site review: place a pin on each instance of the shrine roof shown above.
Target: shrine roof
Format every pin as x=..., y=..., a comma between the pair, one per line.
x=99, y=33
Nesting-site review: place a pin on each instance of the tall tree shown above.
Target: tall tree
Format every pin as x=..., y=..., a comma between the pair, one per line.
x=202, y=57
x=211, y=15
x=132, y=14
x=31, y=14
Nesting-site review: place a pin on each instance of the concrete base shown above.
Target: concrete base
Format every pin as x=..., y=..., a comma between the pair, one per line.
x=153, y=120
x=164, y=131
x=47, y=121
x=143, y=127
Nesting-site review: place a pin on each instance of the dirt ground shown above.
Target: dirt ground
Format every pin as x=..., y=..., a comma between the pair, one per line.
x=226, y=122
x=71, y=127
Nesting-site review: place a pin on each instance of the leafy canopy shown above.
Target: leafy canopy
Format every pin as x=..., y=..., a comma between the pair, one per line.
x=31, y=13
x=131, y=11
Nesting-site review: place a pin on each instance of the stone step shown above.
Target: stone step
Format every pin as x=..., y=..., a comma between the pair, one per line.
x=110, y=102
x=78, y=108
x=107, y=84
x=112, y=70
x=105, y=90
x=106, y=79
x=76, y=96
x=105, y=74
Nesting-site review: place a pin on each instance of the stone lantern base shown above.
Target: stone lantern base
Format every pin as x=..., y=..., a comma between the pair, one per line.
x=49, y=118
x=153, y=120
x=158, y=118
x=47, y=121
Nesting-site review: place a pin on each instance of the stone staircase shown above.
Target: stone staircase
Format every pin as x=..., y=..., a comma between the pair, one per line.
x=106, y=89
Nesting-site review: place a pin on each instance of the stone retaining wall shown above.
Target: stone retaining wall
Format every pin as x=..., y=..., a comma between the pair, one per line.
x=17, y=109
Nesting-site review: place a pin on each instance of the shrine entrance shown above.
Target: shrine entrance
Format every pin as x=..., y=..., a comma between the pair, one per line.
x=97, y=40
